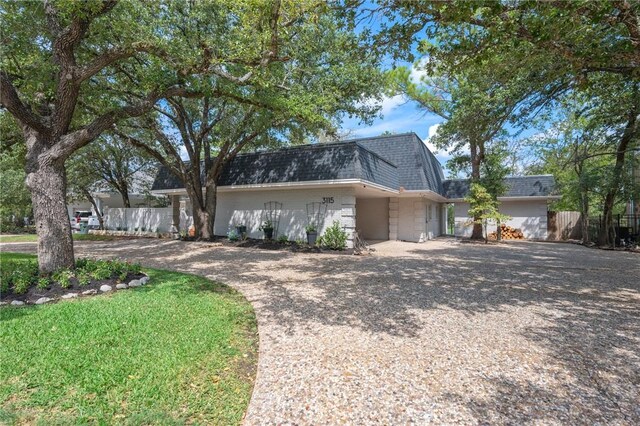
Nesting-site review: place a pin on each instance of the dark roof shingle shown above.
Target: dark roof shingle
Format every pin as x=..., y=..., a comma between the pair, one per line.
x=418, y=168
x=517, y=186
x=299, y=164
x=393, y=161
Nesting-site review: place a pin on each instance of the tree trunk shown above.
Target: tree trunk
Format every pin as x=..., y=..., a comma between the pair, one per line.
x=201, y=223
x=125, y=198
x=92, y=200
x=584, y=216
x=211, y=205
x=200, y=214
x=606, y=235
x=477, y=233
x=48, y=187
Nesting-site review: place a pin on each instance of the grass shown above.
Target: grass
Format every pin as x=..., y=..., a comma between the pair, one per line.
x=180, y=350
x=27, y=238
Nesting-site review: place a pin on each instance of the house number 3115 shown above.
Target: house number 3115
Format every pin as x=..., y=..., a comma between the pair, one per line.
x=327, y=200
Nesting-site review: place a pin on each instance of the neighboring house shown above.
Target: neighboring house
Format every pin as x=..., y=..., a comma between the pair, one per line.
x=387, y=188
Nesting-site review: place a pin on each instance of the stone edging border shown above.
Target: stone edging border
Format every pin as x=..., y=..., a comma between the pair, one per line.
x=92, y=292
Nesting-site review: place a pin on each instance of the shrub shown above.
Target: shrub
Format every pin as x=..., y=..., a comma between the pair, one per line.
x=20, y=274
x=334, y=238
x=310, y=228
x=84, y=279
x=43, y=283
x=233, y=235
x=282, y=239
x=102, y=270
x=21, y=284
x=63, y=277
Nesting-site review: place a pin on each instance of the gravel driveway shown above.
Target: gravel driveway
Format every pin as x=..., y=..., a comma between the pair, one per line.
x=443, y=332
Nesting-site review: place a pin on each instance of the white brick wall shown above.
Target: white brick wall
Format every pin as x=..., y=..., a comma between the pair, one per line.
x=247, y=208
x=393, y=219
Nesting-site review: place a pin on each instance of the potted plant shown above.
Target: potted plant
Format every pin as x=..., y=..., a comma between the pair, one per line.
x=312, y=233
x=267, y=228
x=241, y=230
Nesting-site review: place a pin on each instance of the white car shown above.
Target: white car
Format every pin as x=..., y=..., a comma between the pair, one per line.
x=85, y=217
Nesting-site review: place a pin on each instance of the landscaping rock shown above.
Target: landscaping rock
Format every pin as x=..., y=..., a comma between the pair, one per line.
x=17, y=302
x=121, y=286
x=105, y=288
x=135, y=283
x=69, y=295
x=144, y=279
x=43, y=300
x=90, y=292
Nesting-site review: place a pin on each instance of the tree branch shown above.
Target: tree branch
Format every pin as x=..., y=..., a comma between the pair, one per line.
x=79, y=138
x=10, y=100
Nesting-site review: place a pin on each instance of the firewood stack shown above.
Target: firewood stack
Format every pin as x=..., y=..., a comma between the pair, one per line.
x=508, y=233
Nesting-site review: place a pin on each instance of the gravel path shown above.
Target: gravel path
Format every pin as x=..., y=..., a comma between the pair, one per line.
x=443, y=332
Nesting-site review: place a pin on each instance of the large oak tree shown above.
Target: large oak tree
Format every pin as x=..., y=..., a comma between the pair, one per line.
x=71, y=70
x=324, y=72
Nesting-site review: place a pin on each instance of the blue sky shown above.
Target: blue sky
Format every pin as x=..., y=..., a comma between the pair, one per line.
x=399, y=115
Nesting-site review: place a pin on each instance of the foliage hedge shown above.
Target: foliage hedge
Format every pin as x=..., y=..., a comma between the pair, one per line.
x=21, y=274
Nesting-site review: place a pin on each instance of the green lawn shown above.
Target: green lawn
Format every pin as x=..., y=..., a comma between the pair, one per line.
x=25, y=238
x=181, y=349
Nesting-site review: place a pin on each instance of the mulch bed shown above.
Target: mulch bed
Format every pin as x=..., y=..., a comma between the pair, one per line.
x=270, y=245
x=54, y=291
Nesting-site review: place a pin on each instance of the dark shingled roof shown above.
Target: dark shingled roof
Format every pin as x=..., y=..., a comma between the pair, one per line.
x=418, y=168
x=342, y=160
x=518, y=186
x=393, y=161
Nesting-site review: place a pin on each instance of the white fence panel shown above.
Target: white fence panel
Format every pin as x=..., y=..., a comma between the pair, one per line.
x=138, y=219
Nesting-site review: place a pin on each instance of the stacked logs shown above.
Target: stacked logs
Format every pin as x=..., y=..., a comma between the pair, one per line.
x=508, y=233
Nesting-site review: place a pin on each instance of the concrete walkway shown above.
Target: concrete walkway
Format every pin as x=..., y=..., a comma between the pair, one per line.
x=442, y=332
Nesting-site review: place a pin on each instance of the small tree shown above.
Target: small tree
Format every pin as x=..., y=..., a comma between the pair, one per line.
x=484, y=207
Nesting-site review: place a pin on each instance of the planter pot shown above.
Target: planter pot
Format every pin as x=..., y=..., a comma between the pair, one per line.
x=241, y=230
x=268, y=233
x=311, y=238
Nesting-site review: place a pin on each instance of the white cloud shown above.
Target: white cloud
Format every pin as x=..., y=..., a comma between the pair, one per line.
x=418, y=71
x=431, y=133
x=433, y=130
x=387, y=103
x=398, y=125
x=390, y=103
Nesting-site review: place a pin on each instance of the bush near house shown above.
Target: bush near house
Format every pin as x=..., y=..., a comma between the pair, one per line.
x=334, y=238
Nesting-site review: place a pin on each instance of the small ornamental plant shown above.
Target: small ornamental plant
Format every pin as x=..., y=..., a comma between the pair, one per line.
x=312, y=233
x=18, y=276
x=334, y=238
x=233, y=235
x=267, y=228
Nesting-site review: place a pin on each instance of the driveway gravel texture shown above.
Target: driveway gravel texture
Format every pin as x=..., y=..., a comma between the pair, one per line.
x=444, y=332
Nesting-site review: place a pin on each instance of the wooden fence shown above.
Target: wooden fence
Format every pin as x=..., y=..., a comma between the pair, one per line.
x=563, y=226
